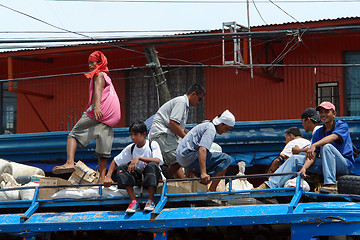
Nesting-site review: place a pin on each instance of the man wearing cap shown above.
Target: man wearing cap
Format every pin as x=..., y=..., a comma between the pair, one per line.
x=330, y=153
x=193, y=150
x=101, y=115
x=311, y=122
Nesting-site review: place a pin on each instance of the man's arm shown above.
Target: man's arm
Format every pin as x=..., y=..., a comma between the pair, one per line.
x=205, y=178
x=297, y=149
x=310, y=153
x=175, y=127
x=99, y=85
x=275, y=164
x=307, y=164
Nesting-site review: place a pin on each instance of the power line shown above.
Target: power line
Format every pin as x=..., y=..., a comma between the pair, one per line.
x=259, y=12
x=287, y=13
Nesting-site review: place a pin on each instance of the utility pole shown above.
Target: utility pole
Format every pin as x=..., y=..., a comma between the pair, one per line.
x=158, y=75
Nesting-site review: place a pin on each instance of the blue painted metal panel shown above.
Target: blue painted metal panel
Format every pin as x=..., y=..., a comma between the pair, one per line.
x=255, y=142
x=183, y=217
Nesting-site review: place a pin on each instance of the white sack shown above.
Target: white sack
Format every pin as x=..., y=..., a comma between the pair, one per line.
x=28, y=194
x=9, y=182
x=292, y=183
x=69, y=193
x=240, y=183
x=113, y=191
x=91, y=192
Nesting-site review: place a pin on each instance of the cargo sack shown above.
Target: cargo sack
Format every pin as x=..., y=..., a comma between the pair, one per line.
x=83, y=174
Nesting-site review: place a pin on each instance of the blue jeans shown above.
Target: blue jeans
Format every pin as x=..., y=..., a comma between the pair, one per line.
x=215, y=162
x=330, y=164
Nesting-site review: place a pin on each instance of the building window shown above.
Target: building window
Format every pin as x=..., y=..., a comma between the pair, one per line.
x=8, y=110
x=328, y=91
x=352, y=85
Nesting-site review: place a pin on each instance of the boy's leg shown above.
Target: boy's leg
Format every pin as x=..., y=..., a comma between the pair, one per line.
x=151, y=175
x=127, y=180
x=130, y=191
x=151, y=193
x=134, y=205
x=151, y=180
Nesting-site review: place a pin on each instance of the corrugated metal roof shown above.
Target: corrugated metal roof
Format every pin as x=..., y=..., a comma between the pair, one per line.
x=292, y=25
x=311, y=21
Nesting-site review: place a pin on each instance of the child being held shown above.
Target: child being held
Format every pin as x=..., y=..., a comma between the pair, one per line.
x=141, y=158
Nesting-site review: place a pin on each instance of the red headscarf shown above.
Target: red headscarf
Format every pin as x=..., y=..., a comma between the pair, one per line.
x=100, y=67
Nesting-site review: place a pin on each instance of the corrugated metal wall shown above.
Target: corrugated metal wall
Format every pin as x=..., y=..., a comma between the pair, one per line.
x=263, y=98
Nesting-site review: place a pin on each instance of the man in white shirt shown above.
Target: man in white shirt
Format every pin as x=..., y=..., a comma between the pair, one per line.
x=293, y=137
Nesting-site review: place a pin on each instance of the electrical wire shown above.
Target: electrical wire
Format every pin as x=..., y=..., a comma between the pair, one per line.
x=259, y=12
x=287, y=13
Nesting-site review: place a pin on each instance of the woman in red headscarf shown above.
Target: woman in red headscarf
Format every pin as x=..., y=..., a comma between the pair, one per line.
x=101, y=115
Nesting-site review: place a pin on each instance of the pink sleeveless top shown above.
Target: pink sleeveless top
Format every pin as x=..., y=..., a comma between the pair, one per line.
x=110, y=104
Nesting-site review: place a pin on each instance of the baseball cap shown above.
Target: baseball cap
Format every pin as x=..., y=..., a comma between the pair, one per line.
x=311, y=113
x=326, y=105
x=226, y=118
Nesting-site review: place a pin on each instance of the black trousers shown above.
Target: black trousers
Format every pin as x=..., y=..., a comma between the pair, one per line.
x=151, y=176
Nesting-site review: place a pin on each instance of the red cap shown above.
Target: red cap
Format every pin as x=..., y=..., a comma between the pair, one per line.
x=326, y=105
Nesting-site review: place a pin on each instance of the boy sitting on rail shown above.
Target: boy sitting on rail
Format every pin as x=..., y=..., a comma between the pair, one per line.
x=139, y=159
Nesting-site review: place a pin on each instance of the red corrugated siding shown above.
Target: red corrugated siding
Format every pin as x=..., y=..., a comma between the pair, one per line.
x=261, y=98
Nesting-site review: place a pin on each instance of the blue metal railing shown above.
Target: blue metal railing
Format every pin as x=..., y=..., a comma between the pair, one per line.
x=33, y=222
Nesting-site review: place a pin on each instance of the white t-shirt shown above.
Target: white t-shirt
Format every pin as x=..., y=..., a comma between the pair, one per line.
x=125, y=156
x=301, y=142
